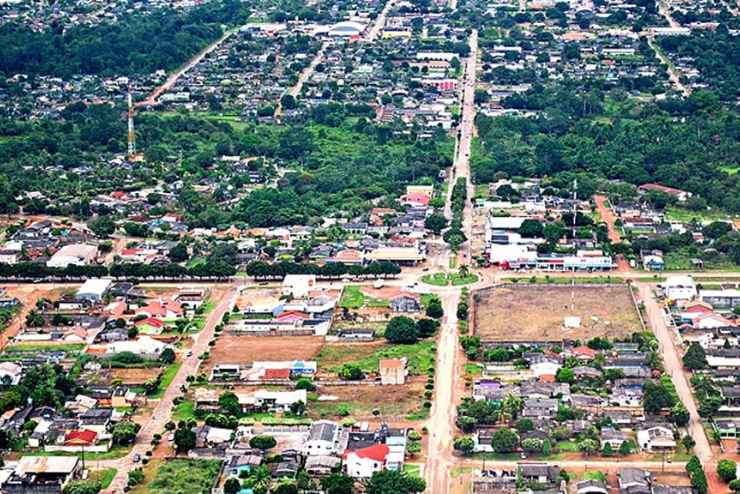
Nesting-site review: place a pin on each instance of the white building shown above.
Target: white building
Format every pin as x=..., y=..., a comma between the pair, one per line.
x=73, y=254
x=94, y=289
x=298, y=285
x=323, y=439
x=679, y=288
x=363, y=463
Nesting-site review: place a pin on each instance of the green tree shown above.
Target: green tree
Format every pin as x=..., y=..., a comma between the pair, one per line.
x=680, y=415
x=168, y=356
x=135, y=477
x=184, y=438
x=531, y=229
x=394, y=482
x=102, y=226
x=434, y=309
x=565, y=375
x=401, y=329
x=436, y=223
x=727, y=470
x=124, y=432
x=505, y=440
x=465, y=445
x=588, y=446
x=351, y=372
x=262, y=442
x=337, y=483
x=695, y=357
x=229, y=403
x=232, y=486
x=655, y=397
x=82, y=487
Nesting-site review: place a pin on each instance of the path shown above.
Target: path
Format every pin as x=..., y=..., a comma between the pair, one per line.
x=379, y=23
x=607, y=215
x=172, y=79
x=441, y=423
x=163, y=411
x=673, y=74
x=305, y=75
x=674, y=368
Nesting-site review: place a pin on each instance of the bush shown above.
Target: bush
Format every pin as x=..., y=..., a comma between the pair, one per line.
x=727, y=470
x=82, y=487
x=402, y=329
x=135, y=477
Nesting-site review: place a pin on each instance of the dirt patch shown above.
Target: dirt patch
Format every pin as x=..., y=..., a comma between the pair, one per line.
x=537, y=312
x=244, y=350
x=358, y=402
x=387, y=292
x=135, y=376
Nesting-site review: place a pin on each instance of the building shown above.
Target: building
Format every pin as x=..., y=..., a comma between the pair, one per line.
x=721, y=299
x=94, y=289
x=679, y=288
x=323, y=439
x=393, y=371
x=679, y=194
x=73, y=254
x=656, y=439
x=42, y=474
x=298, y=285
x=363, y=463
x=347, y=29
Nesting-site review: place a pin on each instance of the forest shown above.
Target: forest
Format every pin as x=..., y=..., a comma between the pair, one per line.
x=690, y=144
x=137, y=44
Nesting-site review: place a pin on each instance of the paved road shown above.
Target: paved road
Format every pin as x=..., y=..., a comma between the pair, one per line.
x=163, y=411
x=674, y=368
x=305, y=75
x=441, y=423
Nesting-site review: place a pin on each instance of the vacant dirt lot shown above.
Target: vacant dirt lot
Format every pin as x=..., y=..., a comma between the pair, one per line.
x=135, y=376
x=246, y=349
x=537, y=312
x=358, y=402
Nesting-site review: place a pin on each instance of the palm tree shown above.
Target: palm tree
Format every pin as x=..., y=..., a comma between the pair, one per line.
x=463, y=271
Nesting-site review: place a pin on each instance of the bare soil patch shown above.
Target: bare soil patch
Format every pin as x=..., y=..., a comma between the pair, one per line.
x=537, y=312
x=393, y=402
x=135, y=376
x=244, y=350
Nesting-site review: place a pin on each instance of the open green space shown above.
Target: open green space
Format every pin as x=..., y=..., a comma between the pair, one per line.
x=558, y=280
x=420, y=356
x=104, y=476
x=353, y=298
x=444, y=279
x=181, y=476
x=167, y=376
x=675, y=213
x=185, y=410
x=41, y=347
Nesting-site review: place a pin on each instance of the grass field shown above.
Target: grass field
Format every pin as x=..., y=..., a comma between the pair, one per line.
x=444, y=279
x=359, y=403
x=167, y=376
x=675, y=213
x=353, y=298
x=48, y=347
x=104, y=476
x=181, y=476
x=604, y=310
x=367, y=356
x=184, y=410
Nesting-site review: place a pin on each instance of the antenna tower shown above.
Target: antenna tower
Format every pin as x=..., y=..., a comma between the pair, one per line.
x=131, y=135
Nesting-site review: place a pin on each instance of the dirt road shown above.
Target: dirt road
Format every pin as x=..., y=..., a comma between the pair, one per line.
x=379, y=23
x=305, y=75
x=163, y=411
x=441, y=423
x=674, y=368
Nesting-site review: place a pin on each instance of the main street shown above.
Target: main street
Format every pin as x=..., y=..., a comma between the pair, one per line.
x=163, y=411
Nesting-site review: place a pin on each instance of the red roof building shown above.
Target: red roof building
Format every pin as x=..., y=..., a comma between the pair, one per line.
x=80, y=438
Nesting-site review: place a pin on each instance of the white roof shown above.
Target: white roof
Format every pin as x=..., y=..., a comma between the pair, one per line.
x=731, y=292
x=48, y=464
x=679, y=281
x=142, y=345
x=505, y=222
x=95, y=286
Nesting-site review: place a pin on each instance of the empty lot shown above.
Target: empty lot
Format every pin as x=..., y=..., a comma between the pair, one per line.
x=537, y=312
x=244, y=350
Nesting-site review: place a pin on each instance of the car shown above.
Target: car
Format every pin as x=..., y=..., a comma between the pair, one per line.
x=137, y=458
x=190, y=353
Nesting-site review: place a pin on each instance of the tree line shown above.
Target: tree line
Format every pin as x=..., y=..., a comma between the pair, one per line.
x=30, y=271
x=272, y=271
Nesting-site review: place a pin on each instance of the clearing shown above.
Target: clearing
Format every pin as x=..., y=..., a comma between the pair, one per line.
x=244, y=350
x=332, y=357
x=358, y=402
x=177, y=476
x=537, y=312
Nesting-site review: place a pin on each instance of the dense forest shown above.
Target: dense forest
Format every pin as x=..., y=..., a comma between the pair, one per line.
x=691, y=144
x=341, y=164
x=137, y=44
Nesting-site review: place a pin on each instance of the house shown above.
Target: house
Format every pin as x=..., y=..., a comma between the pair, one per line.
x=163, y=309
x=726, y=299
x=540, y=408
x=271, y=400
x=363, y=334
x=73, y=255
x=322, y=465
x=679, y=194
x=144, y=345
x=42, y=474
x=634, y=480
x=592, y=487
x=298, y=285
x=612, y=437
x=324, y=438
x=656, y=438
x=94, y=289
x=679, y=288
x=363, y=463
x=393, y=371
x=405, y=303
x=539, y=473
x=10, y=373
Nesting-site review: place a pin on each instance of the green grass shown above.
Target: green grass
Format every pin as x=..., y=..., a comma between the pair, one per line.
x=39, y=347
x=594, y=475
x=180, y=476
x=473, y=369
x=353, y=298
x=270, y=419
x=675, y=213
x=412, y=469
x=167, y=376
x=730, y=170
x=420, y=356
x=184, y=410
x=104, y=476
x=558, y=280
x=114, y=453
x=444, y=279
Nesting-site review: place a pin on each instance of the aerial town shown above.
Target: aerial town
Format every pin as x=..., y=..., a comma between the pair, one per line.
x=380, y=246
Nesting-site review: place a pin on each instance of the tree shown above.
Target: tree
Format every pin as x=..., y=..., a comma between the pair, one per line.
x=124, y=432
x=727, y=470
x=102, y=226
x=184, y=438
x=465, y=445
x=565, y=375
x=426, y=327
x=680, y=415
x=336, y=483
x=655, y=397
x=286, y=488
x=135, y=477
x=695, y=357
x=229, y=403
x=588, y=446
x=394, y=482
x=288, y=102
x=436, y=223
x=524, y=425
x=351, y=372
x=735, y=485
x=505, y=440
x=262, y=442
x=179, y=253
x=626, y=448
x=401, y=329
x=434, y=309
x=297, y=408
x=167, y=356
x=688, y=443
x=232, y=485
x=305, y=383
x=532, y=445
x=531, y=229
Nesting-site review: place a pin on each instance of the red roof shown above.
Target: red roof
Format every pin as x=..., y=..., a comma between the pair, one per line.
x=662, y=188
x=584, y=351
x=292, y=315
x=80, y=438
x=416, y=197
x=277, y=373
x=376, y=452
x=149, y=321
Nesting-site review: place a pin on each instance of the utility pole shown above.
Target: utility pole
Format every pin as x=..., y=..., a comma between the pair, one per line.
x=131, y=135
